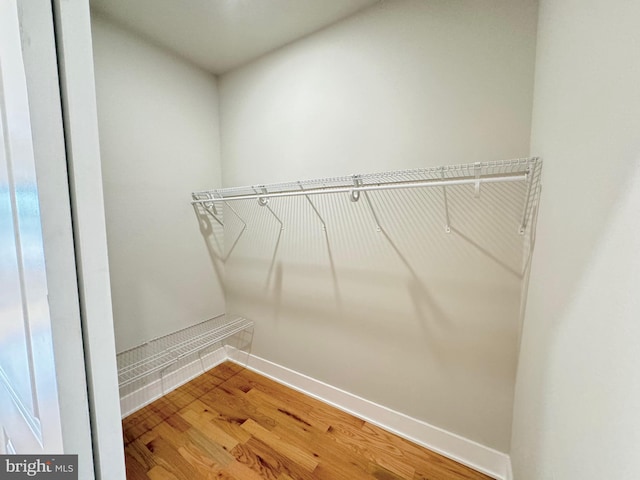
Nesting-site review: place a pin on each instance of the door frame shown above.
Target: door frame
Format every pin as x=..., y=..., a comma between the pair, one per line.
x=69, y=175
x=41, y=73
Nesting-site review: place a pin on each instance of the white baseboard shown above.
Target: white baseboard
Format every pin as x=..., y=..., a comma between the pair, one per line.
x=462, y=450
x=467, y=452
x=509, y=475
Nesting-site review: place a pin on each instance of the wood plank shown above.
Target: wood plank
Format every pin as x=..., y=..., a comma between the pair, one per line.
x=215, y=451
x=242, y=471
x=330, y=458
x=230, y=424
x=290, y=409
x=315, y=408
x=325, y=449
x=148, y=417
x=141, y=454
x=160, y=473
x=202, y=464
x=428, y=464
x=178, y=423
x=192, y=451
x=202, y=421
x=264, y=465
x=233, y=424
x=284, y=476
x=385, y=455
x=135, y=470
x=301, y=457
x=234, y=404
x=170, y=459
x=268, y=462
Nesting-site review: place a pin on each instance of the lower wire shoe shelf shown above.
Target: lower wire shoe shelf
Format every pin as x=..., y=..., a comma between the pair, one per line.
x=157, y=355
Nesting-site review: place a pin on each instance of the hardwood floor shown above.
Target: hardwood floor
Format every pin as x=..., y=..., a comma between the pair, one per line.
x=231, y=423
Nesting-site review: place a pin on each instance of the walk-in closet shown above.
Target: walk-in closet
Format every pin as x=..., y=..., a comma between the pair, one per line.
x=321, y=218
x=348, y=209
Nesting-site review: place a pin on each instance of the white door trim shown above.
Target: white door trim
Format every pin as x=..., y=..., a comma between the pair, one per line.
x=75, y=60
x=39, y=54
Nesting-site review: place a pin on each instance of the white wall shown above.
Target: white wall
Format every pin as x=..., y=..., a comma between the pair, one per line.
x=414, y=319
x=158, y=119
x=578, y=389
x=407, y=83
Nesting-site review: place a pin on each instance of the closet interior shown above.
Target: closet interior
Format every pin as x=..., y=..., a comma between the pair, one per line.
x=402, y=290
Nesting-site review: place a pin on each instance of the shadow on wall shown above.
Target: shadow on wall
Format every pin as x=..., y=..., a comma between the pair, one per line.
x=391, y=241
x=380, y=282
x=212, y=230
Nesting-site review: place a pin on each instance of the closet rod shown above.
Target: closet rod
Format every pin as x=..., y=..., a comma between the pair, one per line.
x=513, y=177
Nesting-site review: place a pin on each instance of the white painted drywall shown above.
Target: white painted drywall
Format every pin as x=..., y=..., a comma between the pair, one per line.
x=404, y=84
x=223, y=34
x=578, y=388
x=416, y=320
x=158, y=119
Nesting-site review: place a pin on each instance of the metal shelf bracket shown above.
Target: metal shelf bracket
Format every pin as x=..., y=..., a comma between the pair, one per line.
x=478, y=170
x=354, y=195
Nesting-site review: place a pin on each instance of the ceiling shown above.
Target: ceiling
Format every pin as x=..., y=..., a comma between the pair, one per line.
x=219, y=35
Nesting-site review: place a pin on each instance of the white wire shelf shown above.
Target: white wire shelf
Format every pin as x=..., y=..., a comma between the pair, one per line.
x=526, y=170
x=158, y=354
x=470, y=173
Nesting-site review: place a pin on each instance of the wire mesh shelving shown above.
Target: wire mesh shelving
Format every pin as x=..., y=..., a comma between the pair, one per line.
x=525, y=170
x=157, y=355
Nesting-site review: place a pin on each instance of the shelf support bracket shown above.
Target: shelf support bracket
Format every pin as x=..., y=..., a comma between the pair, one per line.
x=263, y=201
x=276, y=217
x=315, y=210
x=244, y=227
x=277, y=246
x=213, y=211
x=527, y=201
x=477, y=168
x=354, y=195
x=373, y=213
x=447, y=224
x=210, y=208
